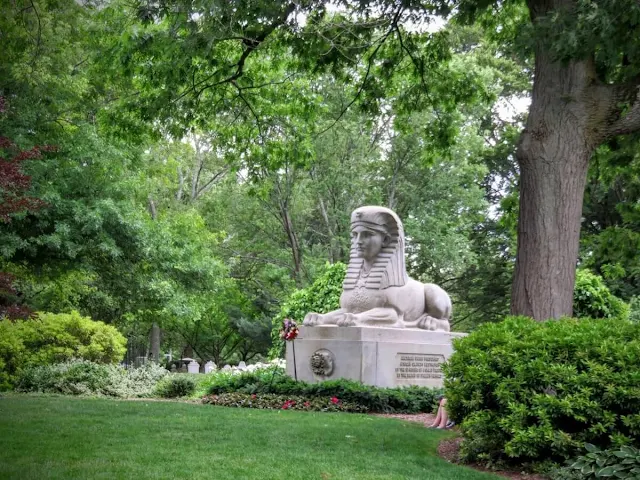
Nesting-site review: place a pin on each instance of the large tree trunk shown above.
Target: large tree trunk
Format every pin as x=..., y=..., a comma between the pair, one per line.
x=553, y=154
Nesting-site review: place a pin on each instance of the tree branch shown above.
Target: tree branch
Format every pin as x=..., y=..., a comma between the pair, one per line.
x=392, y=28
x=629, y=122
x=251, y=45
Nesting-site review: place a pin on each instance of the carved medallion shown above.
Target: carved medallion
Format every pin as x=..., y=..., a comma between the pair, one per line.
x=322, y=363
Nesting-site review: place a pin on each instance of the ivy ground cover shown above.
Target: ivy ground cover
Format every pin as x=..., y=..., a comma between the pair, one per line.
x=62, y=437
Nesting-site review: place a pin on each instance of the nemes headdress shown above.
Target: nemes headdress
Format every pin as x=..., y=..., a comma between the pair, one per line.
x=389, y=267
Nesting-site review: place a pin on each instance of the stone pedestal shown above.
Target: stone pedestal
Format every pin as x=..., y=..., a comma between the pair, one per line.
x=384, y=357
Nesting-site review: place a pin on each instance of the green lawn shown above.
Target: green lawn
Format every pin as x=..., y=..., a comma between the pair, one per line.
x=61, y=437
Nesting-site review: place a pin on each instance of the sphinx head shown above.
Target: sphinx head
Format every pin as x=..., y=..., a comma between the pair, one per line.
x=377, y=236
x=368, y=240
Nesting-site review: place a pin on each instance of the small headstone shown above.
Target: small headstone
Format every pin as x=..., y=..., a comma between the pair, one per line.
x=173, y=368
x=194, y=367
x=226, y=368
x=209, y=367
x=242, y=365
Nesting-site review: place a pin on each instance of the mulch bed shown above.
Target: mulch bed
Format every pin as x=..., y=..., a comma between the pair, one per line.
x=425, y=418
x=448, y=449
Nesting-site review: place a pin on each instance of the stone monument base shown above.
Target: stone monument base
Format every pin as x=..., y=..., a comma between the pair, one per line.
x=384, y=357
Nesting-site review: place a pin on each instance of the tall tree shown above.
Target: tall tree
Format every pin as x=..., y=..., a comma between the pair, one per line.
x=585, y=92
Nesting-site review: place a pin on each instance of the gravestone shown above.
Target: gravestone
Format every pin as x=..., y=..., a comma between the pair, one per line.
x=209, y=367
x=242, y=365
x=390, y=330
x=193, y=367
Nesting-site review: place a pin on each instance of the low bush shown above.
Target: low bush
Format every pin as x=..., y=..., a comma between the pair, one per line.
x=176, y=386
x=375, y=399
x=622, y=462
x=53, y=338
x=82, y=377
x=76, y=377
x=526, y=391
x=284, y=402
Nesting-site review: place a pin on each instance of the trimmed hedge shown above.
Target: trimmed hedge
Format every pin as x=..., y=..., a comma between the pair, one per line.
x=525, y=391
x=374, y=399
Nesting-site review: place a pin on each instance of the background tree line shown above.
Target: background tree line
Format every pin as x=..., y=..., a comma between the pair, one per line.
x=205, y=156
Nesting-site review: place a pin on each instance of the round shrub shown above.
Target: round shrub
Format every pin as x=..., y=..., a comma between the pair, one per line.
x=175, y=386
x=525, y=391
x=52, y=338
x=321, y=296
x=593, y=299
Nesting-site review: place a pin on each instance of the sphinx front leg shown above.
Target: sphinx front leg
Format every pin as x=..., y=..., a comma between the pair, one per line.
x=373, y=317
x=331, y=318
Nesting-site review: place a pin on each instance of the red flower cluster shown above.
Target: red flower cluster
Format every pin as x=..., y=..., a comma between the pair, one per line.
x=287, y=404
x=335, y=400
x=289, y=330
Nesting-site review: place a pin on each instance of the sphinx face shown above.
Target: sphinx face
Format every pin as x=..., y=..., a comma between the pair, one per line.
x=367, y=242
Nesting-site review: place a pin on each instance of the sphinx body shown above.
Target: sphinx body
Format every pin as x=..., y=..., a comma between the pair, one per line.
x=377, y=290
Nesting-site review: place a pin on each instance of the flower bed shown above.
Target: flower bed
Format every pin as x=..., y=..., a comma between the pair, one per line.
x=283, y=402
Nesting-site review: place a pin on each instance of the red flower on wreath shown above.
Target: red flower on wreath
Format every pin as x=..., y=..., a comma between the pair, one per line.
x=289, y=330
x=335, y=400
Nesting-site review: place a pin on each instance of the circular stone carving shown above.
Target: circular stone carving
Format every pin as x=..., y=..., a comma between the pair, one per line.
x=322, y=362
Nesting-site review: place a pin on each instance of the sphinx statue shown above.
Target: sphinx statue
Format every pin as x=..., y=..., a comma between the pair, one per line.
x=377, y=290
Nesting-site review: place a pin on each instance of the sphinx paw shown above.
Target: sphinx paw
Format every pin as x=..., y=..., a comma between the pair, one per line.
x=348, y=320
x=426, y=323
x=312, y=319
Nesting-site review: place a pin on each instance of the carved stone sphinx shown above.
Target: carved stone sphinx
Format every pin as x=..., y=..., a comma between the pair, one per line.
x=377, y=290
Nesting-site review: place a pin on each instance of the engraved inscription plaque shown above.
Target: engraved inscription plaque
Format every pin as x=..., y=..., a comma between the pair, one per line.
x=418, y=369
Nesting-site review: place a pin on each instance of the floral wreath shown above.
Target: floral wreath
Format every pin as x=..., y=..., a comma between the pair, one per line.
x=289, y=330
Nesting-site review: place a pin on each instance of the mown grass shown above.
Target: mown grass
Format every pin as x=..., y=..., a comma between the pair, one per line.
x=73, y=438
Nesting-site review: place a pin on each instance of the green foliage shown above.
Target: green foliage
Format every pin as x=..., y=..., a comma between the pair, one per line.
x=634, y=309
x=12, y=352
x=54, y=337
x=75, y=377
x=51, y=338
x=527, y=391
x=83, y=377
x=593, y=299
x=610, y=230
x=321, y=296
x=375, y=399
x=620, y=462
x=284, y=402
x=175, y=386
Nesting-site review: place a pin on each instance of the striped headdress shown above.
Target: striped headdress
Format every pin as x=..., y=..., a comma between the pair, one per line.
x=389, y=268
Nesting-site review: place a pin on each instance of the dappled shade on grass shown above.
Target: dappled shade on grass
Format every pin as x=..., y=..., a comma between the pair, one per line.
x=61, y=437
